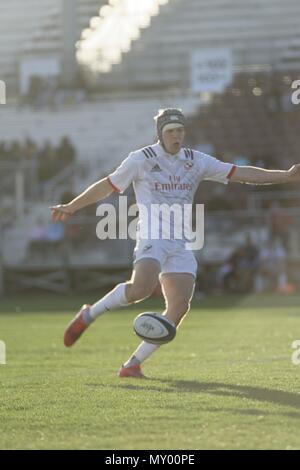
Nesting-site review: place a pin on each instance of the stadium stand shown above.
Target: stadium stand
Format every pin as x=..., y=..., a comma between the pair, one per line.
x=101, y=140
x=254, y=118
x=257, y=32
x=36, y=30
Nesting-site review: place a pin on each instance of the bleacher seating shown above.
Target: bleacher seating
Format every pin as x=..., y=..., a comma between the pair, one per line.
x=35, y=27
x=103, y=133
x=257, y=32
x=252, y=119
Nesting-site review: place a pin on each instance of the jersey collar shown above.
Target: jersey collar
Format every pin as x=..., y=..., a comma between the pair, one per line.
x=162, y=153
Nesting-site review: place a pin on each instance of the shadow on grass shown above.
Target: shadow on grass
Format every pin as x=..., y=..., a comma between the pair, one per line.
x=265, y=395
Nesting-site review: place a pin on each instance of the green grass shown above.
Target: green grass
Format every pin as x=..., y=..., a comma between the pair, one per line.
x=226, y=382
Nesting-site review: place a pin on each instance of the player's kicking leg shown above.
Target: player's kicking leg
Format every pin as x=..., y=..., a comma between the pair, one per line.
x=178, y=291
x=142, y=284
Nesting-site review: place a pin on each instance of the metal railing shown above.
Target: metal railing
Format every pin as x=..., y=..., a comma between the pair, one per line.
x=53, y=188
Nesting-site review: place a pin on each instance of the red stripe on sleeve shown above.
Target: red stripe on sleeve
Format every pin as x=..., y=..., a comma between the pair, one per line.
x=112, y=184
x=231, y=172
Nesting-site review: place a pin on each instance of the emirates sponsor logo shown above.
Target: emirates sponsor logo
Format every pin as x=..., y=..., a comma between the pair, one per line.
x=172, y=186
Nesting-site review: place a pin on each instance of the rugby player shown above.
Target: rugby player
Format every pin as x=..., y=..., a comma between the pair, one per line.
x=163, y=173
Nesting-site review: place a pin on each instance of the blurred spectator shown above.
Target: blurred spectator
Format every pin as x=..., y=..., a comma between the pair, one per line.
x=74, y=233
x=248, y=266
x=55, y=233
x=279, y=223
x=44, y=236
x=65, y=152
x=45, y=92
x=225, y=276
x=238, y=273
x=37, y=237
x=46, y=161
x=41, y=92
x=35, y=90
x=29, y=148
x=272, y=274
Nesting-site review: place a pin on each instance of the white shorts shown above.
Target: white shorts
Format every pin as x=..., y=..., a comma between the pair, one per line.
x=172, y=255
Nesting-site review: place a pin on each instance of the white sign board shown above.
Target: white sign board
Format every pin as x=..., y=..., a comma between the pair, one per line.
x=211, y=70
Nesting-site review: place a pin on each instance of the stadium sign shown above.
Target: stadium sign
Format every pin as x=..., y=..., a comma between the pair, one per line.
x=2, y=92
x=211, y=70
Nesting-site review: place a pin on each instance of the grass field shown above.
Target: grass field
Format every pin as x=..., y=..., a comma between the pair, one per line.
x=226, y=382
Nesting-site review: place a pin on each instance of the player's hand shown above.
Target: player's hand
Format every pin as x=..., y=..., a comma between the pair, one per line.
x=60, y=213
x=294, y=173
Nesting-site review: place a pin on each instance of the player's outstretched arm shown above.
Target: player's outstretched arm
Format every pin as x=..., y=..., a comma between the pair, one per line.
x=92, y=194
x=255, y=175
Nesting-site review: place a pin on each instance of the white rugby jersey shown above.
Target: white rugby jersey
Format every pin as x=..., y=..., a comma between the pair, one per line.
x=161, y=178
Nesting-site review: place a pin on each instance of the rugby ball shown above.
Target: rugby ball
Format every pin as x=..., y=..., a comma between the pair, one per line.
x=154, y=328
